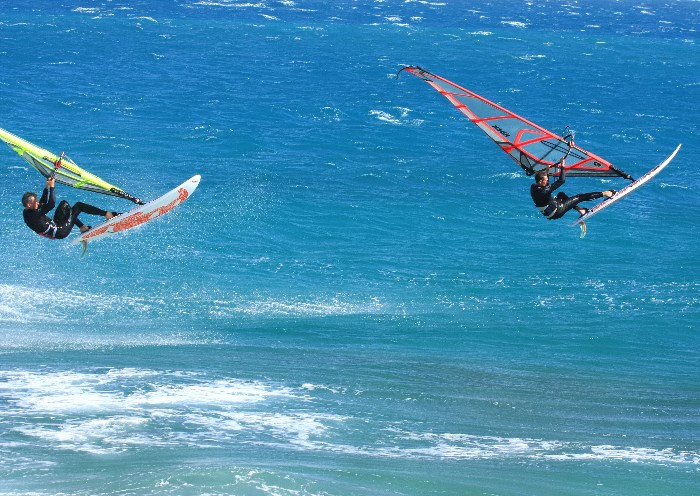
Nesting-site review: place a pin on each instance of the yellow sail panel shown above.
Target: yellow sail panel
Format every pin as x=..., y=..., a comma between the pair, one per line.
x=68, y=173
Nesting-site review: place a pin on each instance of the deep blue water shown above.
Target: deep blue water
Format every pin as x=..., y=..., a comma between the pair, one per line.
x=360, y=297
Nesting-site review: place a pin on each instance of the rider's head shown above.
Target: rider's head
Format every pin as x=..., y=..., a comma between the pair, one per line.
x=28, y=198
x=541, y=177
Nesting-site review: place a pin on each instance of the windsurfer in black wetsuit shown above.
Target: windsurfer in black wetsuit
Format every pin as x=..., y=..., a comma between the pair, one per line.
x=65, y=217
x=554, y=207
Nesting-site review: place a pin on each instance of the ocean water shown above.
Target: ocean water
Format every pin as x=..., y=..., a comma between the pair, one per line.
x=360, y=298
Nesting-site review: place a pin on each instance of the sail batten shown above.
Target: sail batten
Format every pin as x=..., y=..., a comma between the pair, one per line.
x=531, y=146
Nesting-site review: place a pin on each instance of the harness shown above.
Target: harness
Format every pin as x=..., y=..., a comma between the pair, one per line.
x=550, y=210
x=50, y=232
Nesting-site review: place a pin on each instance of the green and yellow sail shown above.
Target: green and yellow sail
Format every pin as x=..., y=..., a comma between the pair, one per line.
x=69, y=173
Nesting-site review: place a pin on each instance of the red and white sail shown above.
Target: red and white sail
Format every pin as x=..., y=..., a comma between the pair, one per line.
x=531, y=146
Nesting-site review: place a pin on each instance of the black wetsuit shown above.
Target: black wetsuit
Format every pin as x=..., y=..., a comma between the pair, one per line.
x=554, y=207
x=64, y=219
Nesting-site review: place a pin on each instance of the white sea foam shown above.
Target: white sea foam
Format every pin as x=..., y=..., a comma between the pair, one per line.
x=507, y=175
x=532, y=57
x=465, y=446
x=217, y=393
x=398, y=118
x=230, y=4
x=117, y=410
x=87, y=10
x=297, y=307
x=60, y=305
x=330, y=114
x=24, y=305
x=460, y=446
x=427, y=2
x=385, y=116
x=630, y=454
x=515, y=24
x=61, y=392
x=679, y=186
x=97, y=436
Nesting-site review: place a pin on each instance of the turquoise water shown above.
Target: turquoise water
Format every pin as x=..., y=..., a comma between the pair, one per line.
x=360, y=298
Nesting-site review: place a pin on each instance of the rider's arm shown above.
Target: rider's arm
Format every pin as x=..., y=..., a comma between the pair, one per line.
x=562, y=176
x=48, y=197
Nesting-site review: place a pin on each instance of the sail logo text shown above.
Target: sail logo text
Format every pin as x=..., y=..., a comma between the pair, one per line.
x=501, y=131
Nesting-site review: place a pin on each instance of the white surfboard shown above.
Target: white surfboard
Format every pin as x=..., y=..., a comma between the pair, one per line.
x=626, y=190
x=141, y=214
